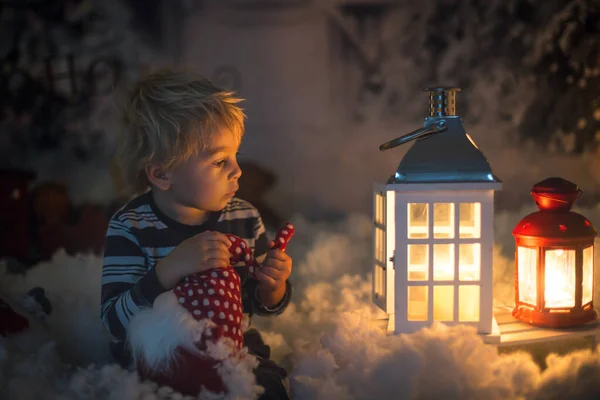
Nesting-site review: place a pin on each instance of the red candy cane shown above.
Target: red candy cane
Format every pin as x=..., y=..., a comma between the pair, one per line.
x=283, y=237
x=281, y=241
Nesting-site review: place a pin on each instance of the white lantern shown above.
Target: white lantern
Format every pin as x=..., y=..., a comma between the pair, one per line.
x=434, y=227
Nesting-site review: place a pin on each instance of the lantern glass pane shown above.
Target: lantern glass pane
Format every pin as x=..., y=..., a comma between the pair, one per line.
x=379, y=201
x=417, y=303
x=527, y=274
x=443, y=303
x=418, y=221
x=379, y=280
x=469, y=262
x=559, y=278
x=588, y=275
x=443, y=220
x=418, y=262
x=470, y=220
x=468, y=303
x=380, y=245
x=443, y=262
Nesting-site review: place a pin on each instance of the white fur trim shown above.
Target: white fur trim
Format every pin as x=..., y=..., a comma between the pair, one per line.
x=236, y=370
x=155, y=333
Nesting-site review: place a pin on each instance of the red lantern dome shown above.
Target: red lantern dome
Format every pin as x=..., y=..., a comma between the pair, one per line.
x=554, y=259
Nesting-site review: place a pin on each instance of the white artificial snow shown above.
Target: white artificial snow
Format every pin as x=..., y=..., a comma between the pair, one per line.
x=328, y=338
x=326, y=164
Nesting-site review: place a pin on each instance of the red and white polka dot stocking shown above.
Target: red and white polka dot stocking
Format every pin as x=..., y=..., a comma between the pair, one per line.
x=216, y=294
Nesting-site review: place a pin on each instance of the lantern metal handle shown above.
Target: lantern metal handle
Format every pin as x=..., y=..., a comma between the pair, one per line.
x=579, y=193
x=436, y=127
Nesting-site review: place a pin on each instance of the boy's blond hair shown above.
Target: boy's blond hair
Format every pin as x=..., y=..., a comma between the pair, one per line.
x=171, y=116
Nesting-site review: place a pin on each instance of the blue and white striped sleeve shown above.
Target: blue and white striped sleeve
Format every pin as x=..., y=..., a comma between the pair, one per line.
x=261, y=241
x=127, y=285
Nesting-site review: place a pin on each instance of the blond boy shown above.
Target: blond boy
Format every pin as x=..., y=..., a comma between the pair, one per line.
x=181, y=142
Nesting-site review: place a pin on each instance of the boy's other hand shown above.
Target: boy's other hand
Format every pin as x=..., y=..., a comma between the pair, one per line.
x=201, y=252
x=275, y=270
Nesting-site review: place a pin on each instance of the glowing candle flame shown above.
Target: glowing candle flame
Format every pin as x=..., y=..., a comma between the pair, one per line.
x=560, y=278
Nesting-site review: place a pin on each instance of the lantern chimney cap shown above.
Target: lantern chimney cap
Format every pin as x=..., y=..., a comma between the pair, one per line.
x=442, y=101
x=555, y=194
x=442, y=151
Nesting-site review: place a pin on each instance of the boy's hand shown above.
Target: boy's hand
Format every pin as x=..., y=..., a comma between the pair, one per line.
x=201, y=252
x=275, y=270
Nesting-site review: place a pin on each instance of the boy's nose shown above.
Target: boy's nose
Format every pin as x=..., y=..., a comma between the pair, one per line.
x=237, y=172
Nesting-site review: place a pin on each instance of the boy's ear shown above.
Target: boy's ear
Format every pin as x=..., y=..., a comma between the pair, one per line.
x=158, y=177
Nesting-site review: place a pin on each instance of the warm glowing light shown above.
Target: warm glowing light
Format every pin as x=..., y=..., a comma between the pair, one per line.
x=384, y=203
x=443, y=220
x=468, y=304
x=418, y=262
x=443, y=262
x=588, y=275
x=437, y=261
x=470, y=220
x=418, y=221
x=417, y=303
x=443, y=303
x=379, y=208
x=380, y=244
x=527, y=275
x=379, y=277
x=555, y=257
x=471, y=140
x=559, y=278
x=469, y=262
x=379, y=280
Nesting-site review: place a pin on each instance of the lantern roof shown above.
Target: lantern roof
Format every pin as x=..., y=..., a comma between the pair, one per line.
x=555, y=197
x=443, y=151
x=555, y=225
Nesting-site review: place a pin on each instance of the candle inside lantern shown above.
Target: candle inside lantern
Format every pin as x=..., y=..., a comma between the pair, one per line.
x=559, y=276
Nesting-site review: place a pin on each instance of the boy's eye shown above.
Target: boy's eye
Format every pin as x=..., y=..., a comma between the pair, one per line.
x=221, y=163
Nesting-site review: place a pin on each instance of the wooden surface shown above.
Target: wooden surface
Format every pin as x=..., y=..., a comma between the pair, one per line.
x=509, y=331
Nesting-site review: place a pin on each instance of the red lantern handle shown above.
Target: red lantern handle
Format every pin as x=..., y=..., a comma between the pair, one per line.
x=579, y=193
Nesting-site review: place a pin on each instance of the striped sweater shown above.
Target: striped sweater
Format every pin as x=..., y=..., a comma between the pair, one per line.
x=139, y=235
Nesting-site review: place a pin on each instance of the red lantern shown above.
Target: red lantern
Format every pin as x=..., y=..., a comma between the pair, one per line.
x=554, y=276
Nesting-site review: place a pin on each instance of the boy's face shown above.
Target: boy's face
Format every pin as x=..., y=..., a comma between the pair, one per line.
x=206, y=182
